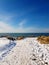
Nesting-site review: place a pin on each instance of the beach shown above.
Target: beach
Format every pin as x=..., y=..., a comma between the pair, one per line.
x=27, y=51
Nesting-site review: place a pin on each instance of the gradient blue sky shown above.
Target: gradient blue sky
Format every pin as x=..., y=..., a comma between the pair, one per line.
x=24, y=16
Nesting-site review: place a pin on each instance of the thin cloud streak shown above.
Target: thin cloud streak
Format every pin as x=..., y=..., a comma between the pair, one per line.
x=22, y=23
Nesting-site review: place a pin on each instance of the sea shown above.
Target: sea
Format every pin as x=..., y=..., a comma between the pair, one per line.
x=24, y=34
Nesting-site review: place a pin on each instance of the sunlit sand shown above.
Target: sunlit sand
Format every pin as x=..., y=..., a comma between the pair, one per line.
x=27, y=51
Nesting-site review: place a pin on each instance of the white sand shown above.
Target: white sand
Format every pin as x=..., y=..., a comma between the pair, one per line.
x=3, y=41
x=27, y=52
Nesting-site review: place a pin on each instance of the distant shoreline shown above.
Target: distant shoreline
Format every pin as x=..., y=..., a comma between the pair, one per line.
x=23, y=34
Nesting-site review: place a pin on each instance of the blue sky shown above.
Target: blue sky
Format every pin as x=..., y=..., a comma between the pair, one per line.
x=24, y=16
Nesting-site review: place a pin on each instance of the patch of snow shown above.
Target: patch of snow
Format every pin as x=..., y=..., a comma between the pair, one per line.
x=28, y=51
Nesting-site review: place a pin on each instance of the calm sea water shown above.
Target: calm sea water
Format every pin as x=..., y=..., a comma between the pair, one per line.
x=24, y=34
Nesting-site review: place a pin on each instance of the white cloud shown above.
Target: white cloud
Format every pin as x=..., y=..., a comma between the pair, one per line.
x=4, y=27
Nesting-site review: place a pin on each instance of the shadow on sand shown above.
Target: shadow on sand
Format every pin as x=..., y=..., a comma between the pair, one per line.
x=6, y=49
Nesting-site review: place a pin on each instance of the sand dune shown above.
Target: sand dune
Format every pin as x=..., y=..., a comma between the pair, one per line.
x=27, y=51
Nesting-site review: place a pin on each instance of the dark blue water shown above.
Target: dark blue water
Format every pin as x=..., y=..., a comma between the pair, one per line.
x=23, y=34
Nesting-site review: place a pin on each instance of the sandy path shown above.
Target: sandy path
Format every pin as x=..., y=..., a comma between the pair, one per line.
x=27, y=52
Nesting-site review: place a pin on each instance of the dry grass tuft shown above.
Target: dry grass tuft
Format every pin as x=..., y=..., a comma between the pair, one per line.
x=43, y=39
x=20, y=38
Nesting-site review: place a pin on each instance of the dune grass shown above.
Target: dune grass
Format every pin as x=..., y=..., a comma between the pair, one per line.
x=43, y=39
